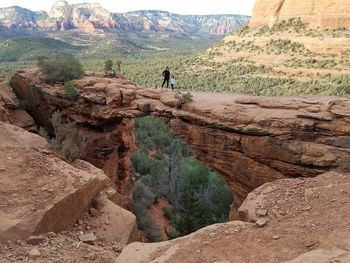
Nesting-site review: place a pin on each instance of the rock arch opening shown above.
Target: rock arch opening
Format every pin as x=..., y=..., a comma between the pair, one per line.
x=174, y=194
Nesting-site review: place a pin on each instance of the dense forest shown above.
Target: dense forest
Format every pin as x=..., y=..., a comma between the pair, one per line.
x=166, y=168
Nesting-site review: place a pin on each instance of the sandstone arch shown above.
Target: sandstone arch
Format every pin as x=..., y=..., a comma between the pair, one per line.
x=248, y=140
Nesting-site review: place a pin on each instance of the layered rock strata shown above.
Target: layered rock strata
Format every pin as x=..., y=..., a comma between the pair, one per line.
x=11, y=111
x=248, y=140
x=98, y=116
x=331, y=14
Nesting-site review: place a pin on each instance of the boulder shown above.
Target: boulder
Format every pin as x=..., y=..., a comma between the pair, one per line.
x=42, y=193
x=116, y=225
x=11, y=112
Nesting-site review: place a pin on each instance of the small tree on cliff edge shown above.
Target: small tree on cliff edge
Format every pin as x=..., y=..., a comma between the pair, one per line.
x=67, y=141
x=108, y=66
x=60, y=69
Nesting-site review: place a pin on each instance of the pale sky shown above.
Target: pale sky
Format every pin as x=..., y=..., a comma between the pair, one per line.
x=184, y=7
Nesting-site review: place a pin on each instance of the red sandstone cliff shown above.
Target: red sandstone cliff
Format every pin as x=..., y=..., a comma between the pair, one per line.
x=331, y=14
x=11, y=111
x=98, y=115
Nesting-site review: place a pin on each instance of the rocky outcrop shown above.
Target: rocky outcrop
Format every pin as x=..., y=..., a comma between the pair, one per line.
x=40, y=192
x=92, y=18
x=160, y=21
x=18, y=17
x=11, y=112
x=115, y=225
x=254, y=140
x=332, y=14
x=248, y=140
x=51, y=210
x=305, y=222
x=98, y=114
x=84, y=11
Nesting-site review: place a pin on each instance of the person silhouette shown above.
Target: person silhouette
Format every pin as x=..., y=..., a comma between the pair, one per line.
x=172, y=82
x=166, y=76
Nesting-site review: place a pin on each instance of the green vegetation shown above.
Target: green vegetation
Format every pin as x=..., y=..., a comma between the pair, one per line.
x=318, y=63
x=70, y=89
x=108, y=65
x=67, y=141
x=284, y=46
x=60, y=69
x=166, y=168
x=249, y=68
x=183, y=98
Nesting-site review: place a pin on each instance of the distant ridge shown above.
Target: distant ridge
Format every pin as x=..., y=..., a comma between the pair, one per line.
x=92, y=18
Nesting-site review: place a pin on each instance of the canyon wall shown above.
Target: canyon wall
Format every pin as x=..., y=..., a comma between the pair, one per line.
x=108, y=131
x=332, y=14
x=12, y=112
x=248, y=140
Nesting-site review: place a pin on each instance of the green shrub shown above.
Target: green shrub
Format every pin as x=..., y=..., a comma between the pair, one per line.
x=143, y=199
x=170, y=213
x=119, y=66
x=70, y=89
x=342, y=85
x=183, y=98
x=67, y=140
x=60, y=69
x=108, y=65
x=141, y=162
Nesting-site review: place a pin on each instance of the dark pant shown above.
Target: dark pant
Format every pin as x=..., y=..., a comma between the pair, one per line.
x=167, y=83
x=172, y=86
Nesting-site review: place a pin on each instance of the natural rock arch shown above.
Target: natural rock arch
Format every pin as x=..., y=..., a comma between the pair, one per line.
x=248, y=140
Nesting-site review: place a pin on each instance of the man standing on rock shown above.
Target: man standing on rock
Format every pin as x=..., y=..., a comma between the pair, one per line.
x=166, y=75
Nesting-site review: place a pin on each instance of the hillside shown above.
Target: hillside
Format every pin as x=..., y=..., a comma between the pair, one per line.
x=94, y=19
x=29, y=48
x=289, y=58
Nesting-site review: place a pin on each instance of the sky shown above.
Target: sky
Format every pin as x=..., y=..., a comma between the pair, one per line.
x=184, y=7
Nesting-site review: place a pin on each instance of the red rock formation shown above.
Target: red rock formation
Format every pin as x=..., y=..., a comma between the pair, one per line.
x=248, y=140
x=253, y=140
x=102, y=121
x=300, y=221
x=331, y=14
x=10, y=111
x=41, y=193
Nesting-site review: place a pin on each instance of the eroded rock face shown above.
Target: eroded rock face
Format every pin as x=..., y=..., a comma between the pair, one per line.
x=98, y=113
x=41, y=193
x=253, y=140
x=307, y=222
x=248, y=140
x=10, y=111
x=331, y=14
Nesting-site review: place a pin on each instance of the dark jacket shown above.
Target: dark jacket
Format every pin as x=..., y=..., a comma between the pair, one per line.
x=166, y=74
